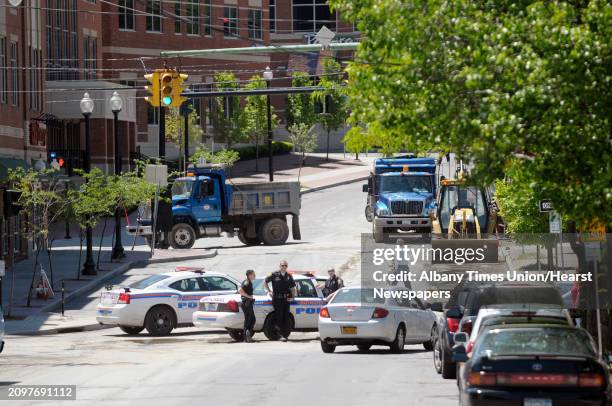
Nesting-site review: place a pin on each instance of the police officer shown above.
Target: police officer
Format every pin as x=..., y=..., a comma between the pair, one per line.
x=283, y=290
x=246, y=292
x=332, y=284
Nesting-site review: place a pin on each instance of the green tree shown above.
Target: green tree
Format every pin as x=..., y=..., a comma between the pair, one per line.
x=228, y=118
x=333, y=98
x=257, y=115
x=300, y=106
x=304, y=140
x=493, y=81
x=226, y=157
x=175, y=129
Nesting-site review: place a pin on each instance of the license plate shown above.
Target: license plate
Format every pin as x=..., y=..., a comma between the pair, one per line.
x=537, y=402
x=211, y=307
x=348, y=330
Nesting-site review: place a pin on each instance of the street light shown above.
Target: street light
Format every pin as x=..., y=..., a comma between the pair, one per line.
x=268, y=76
x=87, y=106
x=116, y=103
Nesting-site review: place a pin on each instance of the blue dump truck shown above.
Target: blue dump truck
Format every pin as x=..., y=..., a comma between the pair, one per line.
x=401, y=195
x=206, y=204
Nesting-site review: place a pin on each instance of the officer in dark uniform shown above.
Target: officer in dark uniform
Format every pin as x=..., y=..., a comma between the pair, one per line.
x=283, y=291
x=332, y=284
x=246, y=292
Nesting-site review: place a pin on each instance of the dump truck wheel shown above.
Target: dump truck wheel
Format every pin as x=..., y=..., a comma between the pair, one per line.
x=274, y=232
x=182, y=236
x=246, y=240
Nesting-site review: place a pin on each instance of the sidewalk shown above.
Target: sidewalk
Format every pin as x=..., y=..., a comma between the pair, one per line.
x=317, y=173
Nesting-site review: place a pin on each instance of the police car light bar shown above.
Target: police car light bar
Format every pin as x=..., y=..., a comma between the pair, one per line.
x=189, y=269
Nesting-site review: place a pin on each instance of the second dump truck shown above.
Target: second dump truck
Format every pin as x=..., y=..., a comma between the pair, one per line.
x=206, y=204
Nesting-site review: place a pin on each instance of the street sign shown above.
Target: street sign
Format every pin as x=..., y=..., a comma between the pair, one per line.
x=546, y=205
x=554, y=222
x=2, y=269
x=157, y=174
x=592, y=250
x=325, y=36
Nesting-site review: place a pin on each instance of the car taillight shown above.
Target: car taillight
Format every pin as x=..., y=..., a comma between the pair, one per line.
x=232, y=306
x=591, y=380
x=470, y=347
x=453, y=324
x=482, y=379
x=324, y=313
x=124, y=298
x=380, y=313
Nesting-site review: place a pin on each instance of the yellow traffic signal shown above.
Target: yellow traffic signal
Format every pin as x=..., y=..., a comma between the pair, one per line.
x=167, y=90
x=178, y=87
x=153, y=89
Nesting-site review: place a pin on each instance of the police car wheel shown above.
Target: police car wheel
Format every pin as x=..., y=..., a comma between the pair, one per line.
x=131, y=330
x=182, y=236
x=274, y=232
x=160, y=321
x=327, y=348
x=271, y=330
x=397, y=346
x=237, y=335
x=364, y=347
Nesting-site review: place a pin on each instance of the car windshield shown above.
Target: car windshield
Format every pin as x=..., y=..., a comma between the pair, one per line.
x=182, y=188
x=408, y=183
x=534, y=341
x=145, y=283
x=352, y=295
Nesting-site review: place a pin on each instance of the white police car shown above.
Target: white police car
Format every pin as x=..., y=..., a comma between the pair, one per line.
x=225, y=311
x=161, y=302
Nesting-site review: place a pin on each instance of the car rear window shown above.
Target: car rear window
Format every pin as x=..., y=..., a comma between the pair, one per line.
x=500, y=321
x=357, y=296
x=511, y=294
x=534, y=341
x=145, y=283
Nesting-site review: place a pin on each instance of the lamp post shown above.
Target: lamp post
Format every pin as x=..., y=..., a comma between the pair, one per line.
x=87, y=106
x=116, y=104
x=268, y=76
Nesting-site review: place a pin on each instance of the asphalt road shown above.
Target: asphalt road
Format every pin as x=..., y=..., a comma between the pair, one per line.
x=109, y=367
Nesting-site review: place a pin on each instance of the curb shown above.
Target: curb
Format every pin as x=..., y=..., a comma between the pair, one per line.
x=344, y=182
x=61, y=330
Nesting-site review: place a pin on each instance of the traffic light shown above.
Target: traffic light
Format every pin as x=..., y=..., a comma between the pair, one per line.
x=166, y=84
x=178, y=88
x=153, y=89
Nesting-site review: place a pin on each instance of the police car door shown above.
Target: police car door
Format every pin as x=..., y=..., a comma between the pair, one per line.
x=191, y=290
x=307, y=304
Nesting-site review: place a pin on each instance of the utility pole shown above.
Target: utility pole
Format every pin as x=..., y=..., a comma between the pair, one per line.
x=162, y=132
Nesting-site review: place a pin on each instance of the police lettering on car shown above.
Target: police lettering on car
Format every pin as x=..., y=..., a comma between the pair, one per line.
x=283, y=291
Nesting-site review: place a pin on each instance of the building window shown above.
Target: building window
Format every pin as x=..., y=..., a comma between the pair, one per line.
x=126, y=14
x=152, y=115
x=272, y=9
x=3, y=72
x=90, y=45
x=177, y=17
x=62, y=40
x=255, y=24
x=207, y=14
x=35, y=76
x=230, y=21
x=14, y=75
x=311, y=15
x=153, y=10
x=128, y=82
x=193, y=15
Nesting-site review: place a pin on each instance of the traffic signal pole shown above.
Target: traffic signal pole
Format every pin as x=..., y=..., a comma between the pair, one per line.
x=162, y=132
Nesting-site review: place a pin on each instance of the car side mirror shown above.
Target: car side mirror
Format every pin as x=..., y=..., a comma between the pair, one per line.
x=365, y=187
x=461, y=338
x=459, y=354
x=436, y=307
x=455, y=312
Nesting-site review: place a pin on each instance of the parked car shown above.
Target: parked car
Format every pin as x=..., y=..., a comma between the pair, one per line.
x=161, y=302
x=467, y=299
x=533, y=365
x=225, y=311
x=355, y=317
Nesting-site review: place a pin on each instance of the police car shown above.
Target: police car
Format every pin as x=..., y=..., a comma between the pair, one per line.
x=161, y=302
x=225, y=311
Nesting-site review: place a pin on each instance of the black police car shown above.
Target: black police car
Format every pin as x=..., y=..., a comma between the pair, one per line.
x=465, y=301
x=533, y=365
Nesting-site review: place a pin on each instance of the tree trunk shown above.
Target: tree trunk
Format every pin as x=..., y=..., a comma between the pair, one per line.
x=80, y=253
x=101, y=240
x=257, y=153
x=33, y=276
x=49, y=248
x=327, y=148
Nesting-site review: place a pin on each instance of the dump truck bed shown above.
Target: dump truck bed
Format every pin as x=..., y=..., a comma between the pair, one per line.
x=265, y=198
